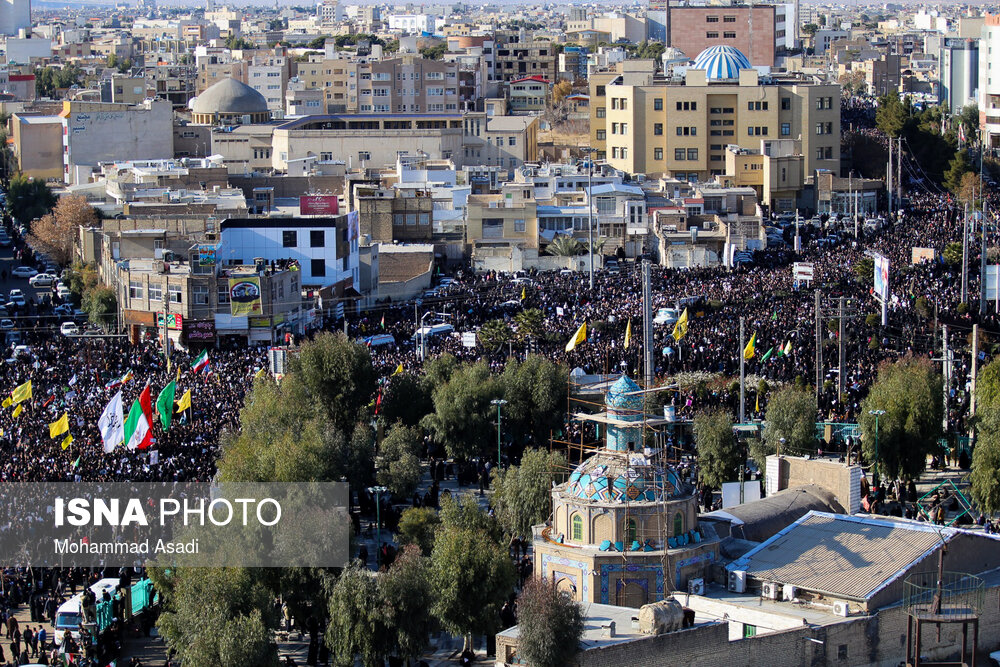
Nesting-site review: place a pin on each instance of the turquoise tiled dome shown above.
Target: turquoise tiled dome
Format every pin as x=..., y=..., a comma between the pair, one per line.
x=623, y=394
x=721, y=62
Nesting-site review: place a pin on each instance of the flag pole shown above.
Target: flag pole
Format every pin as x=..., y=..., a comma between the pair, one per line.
x=742, y=375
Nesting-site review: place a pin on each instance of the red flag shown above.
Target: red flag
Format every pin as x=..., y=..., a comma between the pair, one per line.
x=146, y=403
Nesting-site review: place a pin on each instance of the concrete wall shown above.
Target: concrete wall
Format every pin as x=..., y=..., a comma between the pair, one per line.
x=134, y=133
x=843, y=481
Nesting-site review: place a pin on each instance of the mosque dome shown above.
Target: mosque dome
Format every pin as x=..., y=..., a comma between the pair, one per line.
x=721, y=62
x=631, y=477
x=229, y=96
x=623, y=394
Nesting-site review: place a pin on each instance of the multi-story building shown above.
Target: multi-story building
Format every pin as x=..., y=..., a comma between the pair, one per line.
x=494, y=138
x=959, y=72
x=750, y=28
x=516, y=59
x=661, y=126
x=989, y=92
x=528, y=95
x=412, y=23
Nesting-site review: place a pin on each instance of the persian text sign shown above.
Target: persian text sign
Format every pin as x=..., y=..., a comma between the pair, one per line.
x=319, y=205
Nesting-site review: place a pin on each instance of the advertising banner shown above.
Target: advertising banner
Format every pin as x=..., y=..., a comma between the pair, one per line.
x=319, y=205
x=202, y=331
x=882, y=277
x=244, y=295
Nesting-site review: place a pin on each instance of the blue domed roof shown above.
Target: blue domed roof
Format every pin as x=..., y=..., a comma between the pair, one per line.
x=721, y=62
x=622, y=394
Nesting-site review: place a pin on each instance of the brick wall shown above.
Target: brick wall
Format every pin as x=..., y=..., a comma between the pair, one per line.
x=689, y=29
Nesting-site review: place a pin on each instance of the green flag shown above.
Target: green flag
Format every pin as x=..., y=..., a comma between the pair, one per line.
x=767, y=355
x=165, y=404
x=76, y=464
x=774, y=317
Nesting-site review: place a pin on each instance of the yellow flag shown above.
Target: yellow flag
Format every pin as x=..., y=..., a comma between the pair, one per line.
x=59, y=426
x=681, y=327
x=67, y=441
x=524, y=294
x=628, y=333
x=22, y=393
x=7, y=402
x=178, y=374
x=185, y=401
x=18, y=410
x=168, y=365
x=399, y=369
x=750, y=349
x=579, y=337
x=261, y=373
x=757, y=404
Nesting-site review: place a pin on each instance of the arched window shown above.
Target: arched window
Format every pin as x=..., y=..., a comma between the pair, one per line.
x=678, y=524
x=577, y=528
x=630, y=530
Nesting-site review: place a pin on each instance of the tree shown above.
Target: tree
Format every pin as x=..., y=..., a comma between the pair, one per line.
x=435, y=52
x=407, y=594
x=564, y=245
x=417, y=526
x=864, y=270
x=462, y=411
x=358, y=626
x=494, y=334
x=988, y=386
x=471, y=577
x=56, y=232
x=549, y=626
x=535, y=391
x=719, y=455
x=405, y=398
x=337, y=376
x=791, y=414
x=969, y=191
x=28, y=198
x=810, y=29
x=237, y=43
x=217, y=616
x=957, y=168
x=985, y=475
x=522, y=493
x=953, y=253
x=560, y=91
x=909, y=391
x=101, y=305
x=530, y=323
x=317, y=42
x=890, y=117
x=397, y=463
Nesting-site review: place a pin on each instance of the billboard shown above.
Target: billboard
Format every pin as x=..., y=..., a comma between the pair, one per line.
x=882, y=277
x=244, y=296
x=319, y=205
x=174, y=321
x=207, y=255
x=199, y=331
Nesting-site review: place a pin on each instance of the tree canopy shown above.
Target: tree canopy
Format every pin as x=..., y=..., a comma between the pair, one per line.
x=550, y=625
x=28, y=198
x=791, y=414
x=719, y=455
x=522, y=493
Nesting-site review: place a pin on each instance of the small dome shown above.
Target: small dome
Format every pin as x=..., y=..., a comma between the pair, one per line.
x=229, y=96
x=618, y=478
x=623, y=394
x=721, y=62
x=673, y=56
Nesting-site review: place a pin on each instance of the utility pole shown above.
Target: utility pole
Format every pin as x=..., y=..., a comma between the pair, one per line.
x=797, y=246
x=742, y=374
x=888, y=178
x=590, y=214
x=416, y=329
x=975, y=369
x=842, y=349
x=946, y=368
x=647, y=321
x=965, y=256
x=819, y=346
x=982, y=263
x=899, y=171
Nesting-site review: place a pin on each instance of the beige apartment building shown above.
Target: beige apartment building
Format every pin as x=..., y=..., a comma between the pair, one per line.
x=681, y=128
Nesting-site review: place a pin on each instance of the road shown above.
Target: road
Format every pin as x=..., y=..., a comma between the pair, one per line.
x=7, y=263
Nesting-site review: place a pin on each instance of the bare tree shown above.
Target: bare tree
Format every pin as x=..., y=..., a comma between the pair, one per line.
x=56, y=232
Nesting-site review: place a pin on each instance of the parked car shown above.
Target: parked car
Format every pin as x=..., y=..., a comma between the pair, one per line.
x=42, y=280
x=24, y=272
x=63, y=309
x=666, y=317
x=69, y=329
x=6, y=325
x=17, y=297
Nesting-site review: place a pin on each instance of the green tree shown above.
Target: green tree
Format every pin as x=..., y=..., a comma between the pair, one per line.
x=953, y=253
x=565, y=246
x=317, y=42
x=890, y=117
x=522, y=494
x=435, y=52
x=909, y=391
x=535, y=391
x=549, y=626
x=494, y=334
x=337, y=376
x=791, y=414
x=985, y=476
x=461, y=418
x=407, y=594
x=530, y=324
x=235, y=43
x=957, y=168
x=398, y=462
x=217, y=616
x=28, y=198
x=417, y=526
x=358, y=626
x=864, y=270
x=101, y=305
x=405, y=398
x=719, y=454
x=988, y=386
x=810, y=29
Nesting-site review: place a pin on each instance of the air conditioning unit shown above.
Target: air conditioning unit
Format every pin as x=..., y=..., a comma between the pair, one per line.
x=769, y=590
x=737, y=581
x=841, y=609
x=696, y=586
x=788, y=592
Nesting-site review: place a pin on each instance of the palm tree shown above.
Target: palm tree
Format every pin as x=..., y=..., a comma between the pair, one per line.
x=565, y=246
x=530, y=324
x=494, y=334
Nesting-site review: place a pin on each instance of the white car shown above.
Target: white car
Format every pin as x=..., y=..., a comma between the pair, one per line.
x=16, y=297
x=666, y=317
x=24, y=272
x=6, y=325
x=69, y=329
x=64, y=293
x=42, y=280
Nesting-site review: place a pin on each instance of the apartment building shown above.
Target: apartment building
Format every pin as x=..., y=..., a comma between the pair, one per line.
x=494, y=138
x=751, y=29
x=667, y=127
x=516, y=59
x=989, y=92
x=528, y=95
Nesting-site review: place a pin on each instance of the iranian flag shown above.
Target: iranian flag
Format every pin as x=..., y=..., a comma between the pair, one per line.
x=138, y=434
x=201, y=363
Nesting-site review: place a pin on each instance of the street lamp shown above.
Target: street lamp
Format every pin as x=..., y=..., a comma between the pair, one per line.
x=499, y=402
x=781, y=441
x=378, y=490
x=876, y=414
x=590, y=209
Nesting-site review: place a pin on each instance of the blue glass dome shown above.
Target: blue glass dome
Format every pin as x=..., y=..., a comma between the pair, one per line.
x=721, y=62
x=623, y=394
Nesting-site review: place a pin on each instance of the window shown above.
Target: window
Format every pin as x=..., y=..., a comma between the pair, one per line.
x=729, y=19
x=657, y=153
x=577, y=528
x=599, y=91
x=174, y=291
x=786, y=129
x=756, y=106
x=318, y=268
x=223, y=294
x=289, y=238
x=657, y=104
x=692, y=153
x=602, y=135
x=364, y=156
x=135, y=289
x=749, y=631
x=679, y=154
x=687, y=106
x=519, y=225
x=316, y=239
x=624, y=128
x=678, y=524
x=842, y=652
x=200, y=295
x=729, y=35
x=786, y=103
x=658, y=129
x=711, y=19
x=600, y=112
x=711, y=35
x=630, y=530
x=511, y=141
x=155, y=292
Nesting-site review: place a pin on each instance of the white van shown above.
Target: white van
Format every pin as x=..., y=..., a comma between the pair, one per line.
x=69, y=616
x=433, y=330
